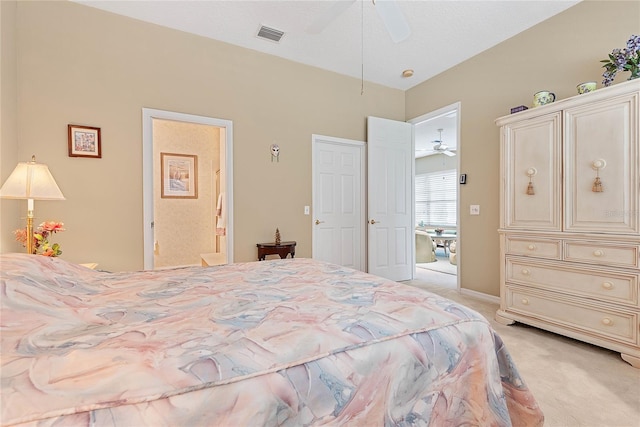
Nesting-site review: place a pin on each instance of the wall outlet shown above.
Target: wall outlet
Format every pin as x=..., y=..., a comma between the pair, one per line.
x=474, y=210
x=306, y=210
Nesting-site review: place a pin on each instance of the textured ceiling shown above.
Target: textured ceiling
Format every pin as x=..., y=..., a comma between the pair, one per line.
x=356, y=42
x=443, y=33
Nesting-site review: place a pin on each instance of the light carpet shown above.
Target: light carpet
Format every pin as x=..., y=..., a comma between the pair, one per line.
x=441, y=264
x=576, y=384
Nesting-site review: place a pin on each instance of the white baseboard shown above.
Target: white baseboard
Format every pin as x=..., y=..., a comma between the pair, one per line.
x=480, y=295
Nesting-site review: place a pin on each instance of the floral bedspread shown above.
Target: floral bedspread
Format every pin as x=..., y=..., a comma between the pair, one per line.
x=282, y=342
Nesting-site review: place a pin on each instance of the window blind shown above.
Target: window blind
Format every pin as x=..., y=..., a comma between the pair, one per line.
x=436, y=195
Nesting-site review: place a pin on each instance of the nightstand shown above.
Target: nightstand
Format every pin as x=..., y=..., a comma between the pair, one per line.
x=91, y=265
x=283, y=249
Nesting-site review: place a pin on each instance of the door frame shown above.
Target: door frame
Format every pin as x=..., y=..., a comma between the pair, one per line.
x=315, y=139
x=457, y=107
x=148, y=114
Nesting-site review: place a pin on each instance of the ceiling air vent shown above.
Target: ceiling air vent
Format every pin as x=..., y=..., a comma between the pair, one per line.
x=270, y=34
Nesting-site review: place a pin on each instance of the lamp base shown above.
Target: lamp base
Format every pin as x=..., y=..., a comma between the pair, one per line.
x=30, y=246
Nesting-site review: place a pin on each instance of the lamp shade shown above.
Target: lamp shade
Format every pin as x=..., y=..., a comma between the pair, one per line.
x=31, y=180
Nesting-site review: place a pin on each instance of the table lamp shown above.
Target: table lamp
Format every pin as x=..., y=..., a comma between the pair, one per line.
x=31, y=181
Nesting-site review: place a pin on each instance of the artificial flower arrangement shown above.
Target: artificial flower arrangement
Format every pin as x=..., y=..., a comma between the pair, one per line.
x=627, y=59
x=41, y=243
x=439, y=230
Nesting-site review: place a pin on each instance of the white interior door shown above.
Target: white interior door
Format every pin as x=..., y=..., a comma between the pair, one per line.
x=390, y=198
x=338, y=220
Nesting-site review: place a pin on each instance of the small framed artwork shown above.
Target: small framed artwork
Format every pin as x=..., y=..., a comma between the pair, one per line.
x=84, y=141
x=463, y=178
x=179, y=174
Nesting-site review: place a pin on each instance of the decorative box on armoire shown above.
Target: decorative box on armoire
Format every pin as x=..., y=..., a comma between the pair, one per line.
x=569, y=227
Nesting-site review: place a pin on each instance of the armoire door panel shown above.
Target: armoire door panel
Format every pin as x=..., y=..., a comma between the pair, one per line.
x=531, y=159
x=601, y=134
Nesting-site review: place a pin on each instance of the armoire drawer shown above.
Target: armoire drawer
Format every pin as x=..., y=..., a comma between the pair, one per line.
x=583, y=282
x=542, y=248
x=601, y=253
x=609, y=323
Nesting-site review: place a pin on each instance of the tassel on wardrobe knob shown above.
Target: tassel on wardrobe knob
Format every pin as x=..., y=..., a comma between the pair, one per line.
x=597, y=185
x=530, y=190
x=531, y=172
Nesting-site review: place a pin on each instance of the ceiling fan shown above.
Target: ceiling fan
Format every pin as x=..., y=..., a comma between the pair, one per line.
x=441, y=147
x=388, y=10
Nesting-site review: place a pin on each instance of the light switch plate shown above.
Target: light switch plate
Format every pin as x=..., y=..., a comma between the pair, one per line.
x=474, y=210
x=306, y=210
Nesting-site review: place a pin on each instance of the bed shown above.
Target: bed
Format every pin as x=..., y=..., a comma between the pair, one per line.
x=288, y=342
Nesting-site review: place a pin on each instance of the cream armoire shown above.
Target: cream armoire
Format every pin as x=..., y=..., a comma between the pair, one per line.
x=569, y=227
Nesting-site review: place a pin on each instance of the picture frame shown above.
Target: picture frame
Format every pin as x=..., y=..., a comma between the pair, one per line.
x=84, y=141
x=463, y=178
x=179, y=176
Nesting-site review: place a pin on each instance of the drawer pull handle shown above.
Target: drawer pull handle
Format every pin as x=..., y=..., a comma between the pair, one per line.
x=607, y=322
x=598, y=253
x=525, y=272
x=607, y=285
x=531, y=247
x=525, y=301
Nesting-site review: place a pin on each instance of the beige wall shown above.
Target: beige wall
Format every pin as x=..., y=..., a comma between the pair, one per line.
x=185, y=228
x=10, y=210
x=83, y=66
x=555, y=55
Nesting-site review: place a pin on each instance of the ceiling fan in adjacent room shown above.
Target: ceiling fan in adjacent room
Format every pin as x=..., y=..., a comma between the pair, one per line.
x=388, y=10
x=441, y=147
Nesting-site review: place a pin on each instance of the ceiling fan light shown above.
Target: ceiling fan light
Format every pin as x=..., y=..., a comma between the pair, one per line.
x=328, y=15
x=393, y=20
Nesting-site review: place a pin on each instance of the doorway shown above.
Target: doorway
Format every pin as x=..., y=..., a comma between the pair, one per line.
x=437, y=163
x=196, y=229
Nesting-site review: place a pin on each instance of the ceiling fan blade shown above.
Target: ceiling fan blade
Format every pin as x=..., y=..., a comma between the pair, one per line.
x=328, y=15
x=449, y=153
x=393, y=19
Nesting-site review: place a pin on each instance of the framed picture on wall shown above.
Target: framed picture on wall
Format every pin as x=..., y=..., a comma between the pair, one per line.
x=84, y=141
x=179, y=174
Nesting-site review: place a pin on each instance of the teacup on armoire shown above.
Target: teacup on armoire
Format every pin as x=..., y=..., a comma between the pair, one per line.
x=586, y=87
x=543, y=97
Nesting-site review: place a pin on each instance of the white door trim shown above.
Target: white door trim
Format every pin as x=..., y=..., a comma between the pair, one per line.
x=315, y=139
x=148, y=114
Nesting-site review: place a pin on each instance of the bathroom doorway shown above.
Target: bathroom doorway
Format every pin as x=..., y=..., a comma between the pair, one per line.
x=195, y=229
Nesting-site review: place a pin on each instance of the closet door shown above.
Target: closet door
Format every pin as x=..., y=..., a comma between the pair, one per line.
x=601, y=141
x=531, y=181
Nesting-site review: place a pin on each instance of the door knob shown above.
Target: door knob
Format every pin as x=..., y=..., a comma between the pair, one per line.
x=318, y=222
x=373, y=221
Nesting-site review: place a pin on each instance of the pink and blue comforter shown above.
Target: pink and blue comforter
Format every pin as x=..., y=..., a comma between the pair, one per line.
x=290, y=342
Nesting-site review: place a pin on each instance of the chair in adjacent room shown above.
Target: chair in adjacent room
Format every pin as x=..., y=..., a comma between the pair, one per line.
x=425, y=247
x=453, y=256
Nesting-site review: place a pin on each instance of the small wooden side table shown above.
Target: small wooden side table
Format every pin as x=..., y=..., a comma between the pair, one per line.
x=283, y=249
